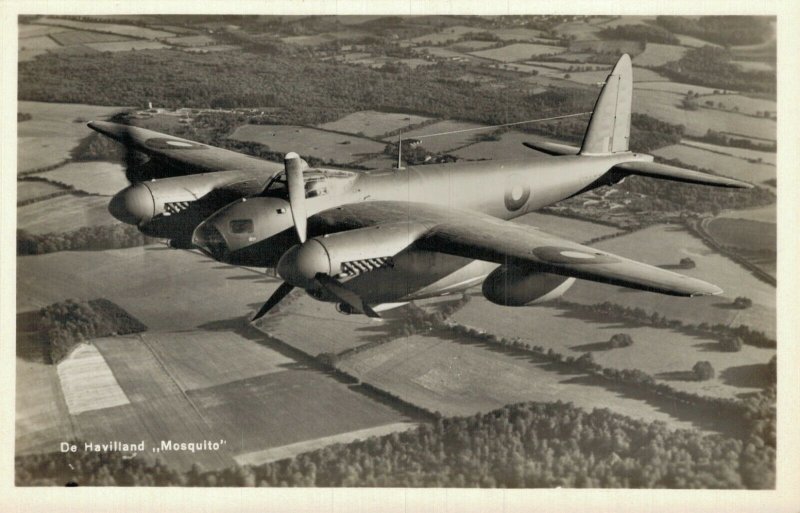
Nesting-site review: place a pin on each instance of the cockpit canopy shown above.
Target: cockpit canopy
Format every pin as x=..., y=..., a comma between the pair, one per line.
x=318, y=182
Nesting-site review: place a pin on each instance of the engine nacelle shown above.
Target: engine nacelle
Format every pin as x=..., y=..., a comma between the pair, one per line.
x=347, y=254
x=515, y=286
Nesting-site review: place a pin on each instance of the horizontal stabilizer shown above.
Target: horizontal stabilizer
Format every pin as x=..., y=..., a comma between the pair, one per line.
x=554, y=149
x=678, y=174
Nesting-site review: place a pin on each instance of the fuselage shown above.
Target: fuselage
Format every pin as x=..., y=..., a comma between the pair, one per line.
x=256, y=231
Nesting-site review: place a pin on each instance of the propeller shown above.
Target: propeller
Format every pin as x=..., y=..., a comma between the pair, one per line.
x=306, y=265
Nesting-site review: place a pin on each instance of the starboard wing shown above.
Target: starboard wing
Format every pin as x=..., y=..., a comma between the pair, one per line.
x=495, y=240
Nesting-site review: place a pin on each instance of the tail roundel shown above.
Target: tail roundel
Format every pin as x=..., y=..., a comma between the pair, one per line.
x=610, y=126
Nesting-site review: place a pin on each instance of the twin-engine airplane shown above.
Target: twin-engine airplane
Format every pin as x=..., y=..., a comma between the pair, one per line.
x=370, y=241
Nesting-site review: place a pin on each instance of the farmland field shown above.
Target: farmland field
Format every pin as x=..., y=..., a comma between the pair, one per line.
x=211, y=48
x=734, y=167
x=308, y=141
x=27, y=190
x=453, y=33
x=287, y=407
x=127, y=46
x=766, y=214
x=42, y=43
x=754, y=240
x=767, y=157
x=42, y=419
x=580, y=29
x=518, y=34
x=63, y=214
x=79, y=37
x=444, y=142
x=754, y=65
x=745, y=104
x=372, y=123
x=692, y=42
x=508, y=147
x=626, y=20
x=190, y=41
x=658, y=352
x=471, y=46
x=572, y=229
x=464, y=378
x=142, y=280
x=52, y=133
x=615, y=46
x=104, y=178
x=341, y=331
x=123, y=30
x=658, y=54
x=666, y=245
x=596, y=77
x=30, y=31
x=518, y=52
x=665, y=106
x=672, y=87
x=87, y=382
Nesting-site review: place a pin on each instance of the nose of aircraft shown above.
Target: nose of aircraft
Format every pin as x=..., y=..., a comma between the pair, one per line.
x=133, y=205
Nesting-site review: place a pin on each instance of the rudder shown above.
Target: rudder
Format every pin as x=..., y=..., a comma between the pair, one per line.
x=610, y=125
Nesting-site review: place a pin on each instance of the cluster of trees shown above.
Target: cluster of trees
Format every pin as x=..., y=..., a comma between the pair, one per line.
x=65, y=324
x=722, y=139
x=663, y=195
x=642, y=33
x=530, y=445
x=703, y=371
x=88, y=238
x=620, y=340
x=723, y=30
x=23, y=116
x=617, y=313
x=711, y=66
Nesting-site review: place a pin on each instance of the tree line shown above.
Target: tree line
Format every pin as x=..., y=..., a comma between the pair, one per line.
x=65, y=324
x=527, y=445
x=87, y=238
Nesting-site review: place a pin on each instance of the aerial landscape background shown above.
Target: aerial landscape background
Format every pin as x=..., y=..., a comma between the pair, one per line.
x=120, y=337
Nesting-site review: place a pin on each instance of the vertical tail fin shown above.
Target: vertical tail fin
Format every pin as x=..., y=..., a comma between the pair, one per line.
x=610, y=126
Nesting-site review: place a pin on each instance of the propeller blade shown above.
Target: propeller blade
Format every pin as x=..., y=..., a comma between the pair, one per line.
x=297, y=192
x=273, y=300
x=345, y=295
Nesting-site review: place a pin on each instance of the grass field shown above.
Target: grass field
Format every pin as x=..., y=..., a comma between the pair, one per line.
x=104, y=178
x=127, y=46
x=735, y=167
x=87, y=382
x=79, y=37
x=284, y=408
x=292, y=450
x=52, y=133
x=471, y=46
x=63, y=214
x=754, y=65
x=518, y=34
x=453, y=33
x=199, y=291
x=29, y=31
x=659, y=352
x=580, y=29
x=190, y=41
x=508, y=147
x=308, y=141
x=122, y=30
x=614, y=46
x=518, y=52
x=659, y=54
x=665, y=106
x=211, y=48
x=572, y=229
x=766, y=214
x=372, y=123
x=341, y=332
x=692, y=42
x=597, y=77
x=443, y=143
x=754, y=240
x=742, y=153
x=672, y=87
x=626, y=20
x=40, y=43
x=210, y=357
x=464, y=378
x=42, y=419
x=745, y=104
x=30, y=190
x=666, y=245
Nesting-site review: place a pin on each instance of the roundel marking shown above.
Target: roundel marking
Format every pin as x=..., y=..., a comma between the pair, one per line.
x=517, y=193
x=163, y=143
x=562, y=255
